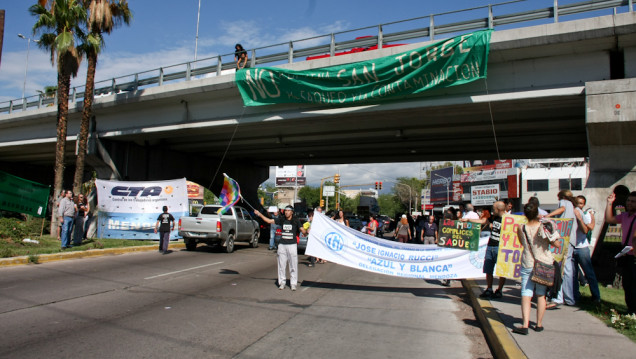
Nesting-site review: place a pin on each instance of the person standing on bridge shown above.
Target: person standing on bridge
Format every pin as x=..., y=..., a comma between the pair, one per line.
x=288, y=246
x=240, y=56
x=165, y=224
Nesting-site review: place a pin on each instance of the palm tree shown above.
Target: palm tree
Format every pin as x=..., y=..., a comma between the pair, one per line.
x=57, y=24
x=103, y=16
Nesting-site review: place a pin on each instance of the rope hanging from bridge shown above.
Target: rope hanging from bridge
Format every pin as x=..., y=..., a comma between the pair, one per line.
x=492, y=120
x=227, y=148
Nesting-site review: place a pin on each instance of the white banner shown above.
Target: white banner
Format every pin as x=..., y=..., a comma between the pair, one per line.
x=343, y=245
x=129, y=210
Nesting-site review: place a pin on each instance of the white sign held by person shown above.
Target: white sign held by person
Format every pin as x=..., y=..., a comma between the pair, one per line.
x=129, y=210
x=337, y=243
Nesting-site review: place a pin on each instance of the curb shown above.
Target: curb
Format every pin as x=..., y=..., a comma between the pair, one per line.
x=44, y=258
x=497, y=335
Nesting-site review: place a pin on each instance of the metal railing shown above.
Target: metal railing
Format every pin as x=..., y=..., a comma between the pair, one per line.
x=320, y=45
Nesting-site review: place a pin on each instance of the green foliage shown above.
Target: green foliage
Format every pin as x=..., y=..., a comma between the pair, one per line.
x=390, y=205
x=311, y=196
x=17, y=229
x=209, y=197
x=266, y=192
x=610, y=309
x=34, y=258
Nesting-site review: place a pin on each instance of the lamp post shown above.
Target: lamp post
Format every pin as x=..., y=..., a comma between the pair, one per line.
x=410, y=194
x=196, y=39
x=26, y=66
x=447, y=181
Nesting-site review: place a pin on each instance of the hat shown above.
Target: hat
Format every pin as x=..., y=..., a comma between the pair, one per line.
x=289, y=208
x=404, y=216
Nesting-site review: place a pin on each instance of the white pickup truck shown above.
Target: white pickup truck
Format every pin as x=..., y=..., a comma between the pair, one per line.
x=236, y=225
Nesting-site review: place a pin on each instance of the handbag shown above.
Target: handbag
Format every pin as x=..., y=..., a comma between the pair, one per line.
x=542, y=273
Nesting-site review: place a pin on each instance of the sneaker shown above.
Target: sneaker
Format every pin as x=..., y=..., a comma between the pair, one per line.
x=310, y=265
x=486, y=294
x=497, y=294
x=293, y=288
x=281, y=287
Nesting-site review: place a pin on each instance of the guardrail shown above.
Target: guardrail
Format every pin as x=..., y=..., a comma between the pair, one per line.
x=319, y=45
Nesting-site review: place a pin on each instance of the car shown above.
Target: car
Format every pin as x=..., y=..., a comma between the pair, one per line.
x=355, y=223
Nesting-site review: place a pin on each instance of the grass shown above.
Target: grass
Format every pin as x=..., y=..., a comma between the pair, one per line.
x=612, y=305
x=10, y=248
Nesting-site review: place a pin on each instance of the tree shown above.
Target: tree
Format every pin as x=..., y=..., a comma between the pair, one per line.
x=104, y=16
x=311, y=196
x=267, y=192
x=390, y=205
x=58, y=23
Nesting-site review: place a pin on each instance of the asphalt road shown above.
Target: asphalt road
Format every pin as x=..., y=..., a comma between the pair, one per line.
x=208, y=304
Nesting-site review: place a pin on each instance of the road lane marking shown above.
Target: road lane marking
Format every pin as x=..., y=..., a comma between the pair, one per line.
x=183, y=270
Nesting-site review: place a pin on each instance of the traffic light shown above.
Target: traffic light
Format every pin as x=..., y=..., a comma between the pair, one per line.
x=322, y=203
x=380, y=187
x=336, y=178
x=376, y=185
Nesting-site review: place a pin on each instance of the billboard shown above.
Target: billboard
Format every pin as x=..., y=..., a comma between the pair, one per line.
x=441, y=184
x=291, y=176
x=129, y=210
x=484, y=195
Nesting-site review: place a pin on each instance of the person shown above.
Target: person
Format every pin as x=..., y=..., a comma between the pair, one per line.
x=372, y=228
x=469, y=213
x=66, y=211
x=80, y=219
x=535, y=200
x=307, y=226
x=566, y=210
x=626, y=263
x=490, y=259
x=581, y=255
x=273, y=210
x=403, y=231
x=57, y=206
x=288, y=247
x=240, y=56
x=430, y=231
x=340, y=218
x=420, y=221
x=536, y=246
x=165, y=224
x=508, y=206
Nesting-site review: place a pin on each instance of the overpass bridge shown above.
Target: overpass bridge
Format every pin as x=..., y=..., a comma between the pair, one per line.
x=553, y=90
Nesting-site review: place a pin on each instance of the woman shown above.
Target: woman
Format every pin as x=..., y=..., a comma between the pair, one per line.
x=403, y=230
x=486, y=227
x=340, y=218
x=536, y=246
x=240, y=56
x=82, y=211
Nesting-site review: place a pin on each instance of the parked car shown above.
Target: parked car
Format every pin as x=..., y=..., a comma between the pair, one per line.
x=208, y=227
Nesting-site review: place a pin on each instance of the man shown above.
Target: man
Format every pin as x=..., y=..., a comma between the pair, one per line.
x=165, y=224
x=581, y=255
x=430, y=231
x=273, y=211
x=288, y=246
x=372, y=227
x=626, y=262
x=498, y=210
x=535, y=200
x=470, y=212
x=420, y=221
x=508, y=207
x=66, y=212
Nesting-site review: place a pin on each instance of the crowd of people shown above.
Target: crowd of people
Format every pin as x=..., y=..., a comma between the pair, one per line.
x=74, y=217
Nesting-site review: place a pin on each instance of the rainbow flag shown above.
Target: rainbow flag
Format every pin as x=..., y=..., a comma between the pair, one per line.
x=230, y=194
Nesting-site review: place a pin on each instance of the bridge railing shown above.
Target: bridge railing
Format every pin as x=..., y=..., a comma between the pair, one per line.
x=287, y=52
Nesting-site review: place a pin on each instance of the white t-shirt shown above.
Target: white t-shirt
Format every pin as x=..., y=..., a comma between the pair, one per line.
x=581, y=238
x=471, y=215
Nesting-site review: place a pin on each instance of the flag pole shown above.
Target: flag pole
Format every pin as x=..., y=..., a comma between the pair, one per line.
x=253, y=209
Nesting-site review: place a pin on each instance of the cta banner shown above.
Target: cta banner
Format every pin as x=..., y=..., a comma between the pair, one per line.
x=450, y=62
x=510, y=248
x=23, y=196
x=346, y=246
x=129, y=210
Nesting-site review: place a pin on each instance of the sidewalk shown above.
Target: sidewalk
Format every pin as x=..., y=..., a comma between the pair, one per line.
x=569, y=331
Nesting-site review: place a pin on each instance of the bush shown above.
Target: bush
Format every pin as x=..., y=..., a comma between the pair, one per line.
x=18, y=229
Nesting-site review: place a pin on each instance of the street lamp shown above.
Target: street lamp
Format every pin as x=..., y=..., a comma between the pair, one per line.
x=196, y=40
x=447, y=181
x=26, y=66
x=410, y=194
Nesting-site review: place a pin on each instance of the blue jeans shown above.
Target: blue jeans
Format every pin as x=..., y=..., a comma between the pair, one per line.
x=566, y=294
x=272, y=235
x=528, y=287
x=581, y=256
x=67, y=229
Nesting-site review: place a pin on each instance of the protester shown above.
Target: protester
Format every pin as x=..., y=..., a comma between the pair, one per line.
x=535, y=200
x=536, y=246
x=340, y=218
x=80, y=219
x=240, y=56
x=626, y=261
x=566, y=210
x=165, y=224
x=581, y=255
x=403, y=231
x=430, y=231
x=469, y=213
x=420, y=221
x=288, y=247
x=372, y=228
x=307, y=226
x=57, y=207
x=273, y=211
x=66, y=211
x=508, y=206
x=498, y=210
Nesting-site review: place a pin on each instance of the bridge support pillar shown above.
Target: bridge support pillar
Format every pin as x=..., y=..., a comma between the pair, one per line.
x=611, y=132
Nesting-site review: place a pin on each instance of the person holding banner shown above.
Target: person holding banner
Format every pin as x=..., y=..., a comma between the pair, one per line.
x=288, y=247
x=626, y=262
x=536, y=247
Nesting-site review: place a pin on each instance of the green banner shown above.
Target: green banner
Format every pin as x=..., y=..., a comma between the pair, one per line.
x=445, y=63
x=459, y=235
x=23, y=196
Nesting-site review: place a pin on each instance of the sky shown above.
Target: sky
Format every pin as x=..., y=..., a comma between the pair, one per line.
x=163, y=33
